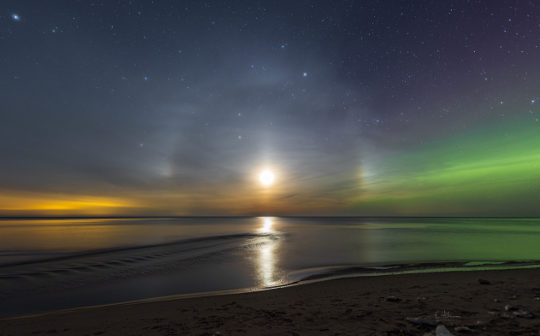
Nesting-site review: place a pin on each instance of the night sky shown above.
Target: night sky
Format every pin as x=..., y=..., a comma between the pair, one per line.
x=363, y=108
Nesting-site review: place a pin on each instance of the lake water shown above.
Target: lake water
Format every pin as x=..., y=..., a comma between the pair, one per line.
x=64, y=263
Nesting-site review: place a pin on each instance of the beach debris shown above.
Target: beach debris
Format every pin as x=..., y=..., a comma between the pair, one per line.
x=445, y=315
x=509, y=307
x=421, y=321
x=524, y=314
x=463, y=329
x=442, y=331
x=484, y=281
x=392, y=298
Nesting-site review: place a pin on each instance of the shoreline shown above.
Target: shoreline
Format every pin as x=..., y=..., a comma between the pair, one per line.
x=488, y=292
x=339, y=272
x=328, y=274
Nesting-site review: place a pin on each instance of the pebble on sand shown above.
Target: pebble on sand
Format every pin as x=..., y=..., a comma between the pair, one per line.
x=524, y=314
x=392, y=299
x=442, y=331
x=484, y=282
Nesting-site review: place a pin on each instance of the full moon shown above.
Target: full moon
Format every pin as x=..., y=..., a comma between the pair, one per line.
x=266, y=177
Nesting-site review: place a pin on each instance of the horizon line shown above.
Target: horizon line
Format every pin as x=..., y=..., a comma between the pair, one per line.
x=246, y=216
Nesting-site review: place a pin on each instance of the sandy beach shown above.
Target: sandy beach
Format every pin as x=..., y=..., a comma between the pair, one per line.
x=504, y=302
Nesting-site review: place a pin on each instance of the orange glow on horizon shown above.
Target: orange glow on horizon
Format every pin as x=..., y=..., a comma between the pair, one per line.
x=64, y=203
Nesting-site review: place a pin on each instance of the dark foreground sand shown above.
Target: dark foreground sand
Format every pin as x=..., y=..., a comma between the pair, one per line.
x=474, y=303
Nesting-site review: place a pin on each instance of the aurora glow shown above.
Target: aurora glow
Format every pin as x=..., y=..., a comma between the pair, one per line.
x=491, y=171
x=358, y=108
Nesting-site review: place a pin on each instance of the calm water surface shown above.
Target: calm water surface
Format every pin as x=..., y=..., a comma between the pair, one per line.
x=64, y=263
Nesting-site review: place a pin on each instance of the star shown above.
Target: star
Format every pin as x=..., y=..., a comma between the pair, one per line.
x=145, y=78
x=304, y=74
x=533, y=101
x=15, y=17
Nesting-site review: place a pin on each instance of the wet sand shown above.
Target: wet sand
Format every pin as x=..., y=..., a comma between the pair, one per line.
x=503, y=302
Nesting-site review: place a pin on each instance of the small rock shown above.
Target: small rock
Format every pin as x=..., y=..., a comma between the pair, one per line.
x=484, y=282
x=524, y=314
x=509, y=308
x=463, y=329
x=480, y=323
x=421, y=320
x=442, y=331
x=496, y=300
x=392, y=299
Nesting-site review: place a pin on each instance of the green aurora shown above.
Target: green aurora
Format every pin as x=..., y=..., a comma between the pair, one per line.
x=493, y=171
